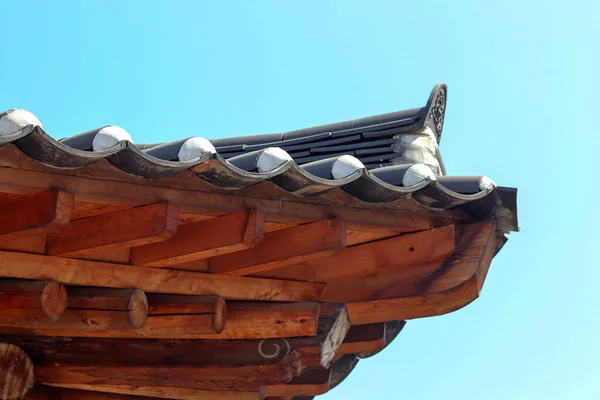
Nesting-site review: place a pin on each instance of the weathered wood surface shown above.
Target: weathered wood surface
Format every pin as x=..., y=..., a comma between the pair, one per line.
x=164, y=392
x=219, y=377
x=285, y=247
x=208, y=238
x=108, y=232
x=375, y=257
x=430, y=289
x=43, y=392
x=92, y=273
x=16, y=372
x=34, y=213
x=49, y=297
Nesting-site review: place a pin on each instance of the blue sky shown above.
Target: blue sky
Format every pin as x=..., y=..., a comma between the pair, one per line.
x=522, y=109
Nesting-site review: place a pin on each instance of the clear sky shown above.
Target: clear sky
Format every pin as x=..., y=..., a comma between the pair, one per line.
x=523, y=109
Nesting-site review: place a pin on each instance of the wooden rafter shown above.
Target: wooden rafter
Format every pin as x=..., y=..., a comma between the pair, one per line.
x=203, y=239
x=34, y=214
x=285, y=247
x=93, y=273
x=108, y=232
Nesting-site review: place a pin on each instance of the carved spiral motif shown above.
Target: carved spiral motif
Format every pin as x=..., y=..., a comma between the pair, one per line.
x=276, y=347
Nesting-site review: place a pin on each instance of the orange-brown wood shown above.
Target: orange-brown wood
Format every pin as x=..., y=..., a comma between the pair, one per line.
x=285, y=247
x=208, y=238
x=118, y=188
x=83, y=210
x=455, y=285
x=218, y=377
x=163, y=392
x=371, y=258
x=43, y=298
x=108, y=232
x=34, y=214
x=43, y=392
x=92, y=273
x=16, y=372
x=31, y=244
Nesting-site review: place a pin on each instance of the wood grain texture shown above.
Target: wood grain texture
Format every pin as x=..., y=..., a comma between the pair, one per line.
x=313, y=382
x=164, y=392
x=43, y=392
x=16, y=372
x=108, y=232
x=92, y=273
x=217, y=377
x=49, y=297
x=285, y=247
x=208, y=238
x=379, y=256
x=455, y=285
x=34, y=214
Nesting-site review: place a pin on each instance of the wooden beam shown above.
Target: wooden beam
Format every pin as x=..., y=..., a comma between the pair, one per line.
x=34, y=214
x=42, y=297
x=245, y=320
x=43, y=392
x=16, y=372
x=454, y=286
x=285, y=247
x=118, y=230
x=164, y=392
x=92, y=273
x=335, y=337
x=399, y=252
x=109, y=310
x=218, y=377
x=203, y=239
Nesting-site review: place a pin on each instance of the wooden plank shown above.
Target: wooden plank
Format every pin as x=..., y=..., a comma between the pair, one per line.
x=48, y=297
x=165, y=392
x=374, y=257
x=43, y=392
x=199, y=240
x=405, y=217
x=218, y=377
x=29, y=244
x=92, y=273
x=83, y=210
x=108, y=232
x=34, y=214
x=245, y=320
x=16, y=372
x=363, y=339
x=285, y=247
x=414, y=280
x=453, y=287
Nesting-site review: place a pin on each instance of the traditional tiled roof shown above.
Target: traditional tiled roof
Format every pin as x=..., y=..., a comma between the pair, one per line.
x=377, y=159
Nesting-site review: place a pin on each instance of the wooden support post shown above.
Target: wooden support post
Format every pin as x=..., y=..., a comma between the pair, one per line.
x=203, y=239
x=399, y=252
x=16, y=372
x=34, y=214
x=93, y=273
x=46, y=299
x=285, y=247
x=117, y=230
